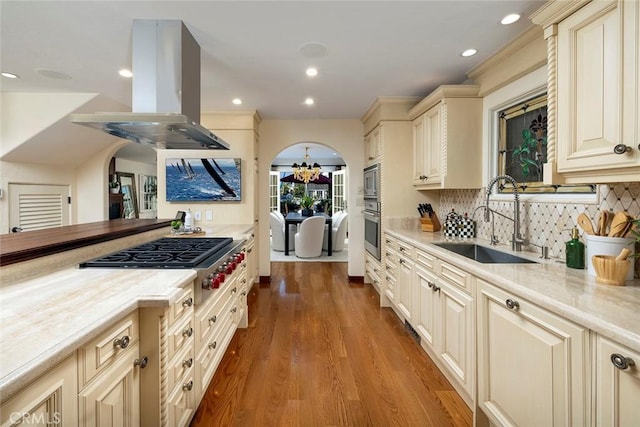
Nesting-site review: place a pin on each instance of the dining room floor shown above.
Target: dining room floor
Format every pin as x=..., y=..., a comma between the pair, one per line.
x=342, y=256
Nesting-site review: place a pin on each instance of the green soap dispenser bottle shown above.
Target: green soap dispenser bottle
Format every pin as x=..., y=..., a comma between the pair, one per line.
x=575, y=251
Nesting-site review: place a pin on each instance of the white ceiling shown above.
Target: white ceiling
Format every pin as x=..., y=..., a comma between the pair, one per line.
x=252, y=49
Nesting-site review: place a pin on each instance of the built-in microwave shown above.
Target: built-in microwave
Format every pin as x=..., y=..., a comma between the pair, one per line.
x=372, y=182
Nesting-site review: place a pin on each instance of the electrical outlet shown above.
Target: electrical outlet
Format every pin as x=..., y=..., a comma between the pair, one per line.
x=198, y=215
x=209, y=215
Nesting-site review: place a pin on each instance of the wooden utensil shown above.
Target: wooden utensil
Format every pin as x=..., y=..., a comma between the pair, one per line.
x=618, y=224
x=585, y=223
x=603, y=223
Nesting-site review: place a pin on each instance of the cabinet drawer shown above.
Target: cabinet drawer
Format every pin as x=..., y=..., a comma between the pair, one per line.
x=183, y=305
x=425, y=260
x=455, y=276
x=211, y=353
x=405, y=250
x=178, y=368
x=181, y=402
x=180, y=335
x=211, y=317
x=107, y=348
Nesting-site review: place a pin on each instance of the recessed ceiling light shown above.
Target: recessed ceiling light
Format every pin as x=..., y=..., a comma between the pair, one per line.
x=469, y=52
x=237, y=101
x=510, y=19
x=125, y=73
x=10, y=75
x=312, y=72
x=52, y=74
x=309, y=101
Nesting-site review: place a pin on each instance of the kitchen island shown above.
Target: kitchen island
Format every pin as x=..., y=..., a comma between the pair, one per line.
x=46, y=318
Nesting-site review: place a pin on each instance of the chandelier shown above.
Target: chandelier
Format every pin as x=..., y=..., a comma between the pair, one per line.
x=305, y=172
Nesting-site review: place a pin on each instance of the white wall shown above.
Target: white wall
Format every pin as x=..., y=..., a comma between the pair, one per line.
x=343, y=136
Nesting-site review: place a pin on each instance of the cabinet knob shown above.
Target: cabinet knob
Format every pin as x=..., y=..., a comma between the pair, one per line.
x=187, y=332
x=213, y=345
x=234, y=309
x=512, y=304
x=621, y=362
x=121, y=342
x=621, y=149
x=435, y=288
x=422, y=177
x=187, y=386
x=188, y=302
x=213, y=319
x=187, y=363
x=141, y=362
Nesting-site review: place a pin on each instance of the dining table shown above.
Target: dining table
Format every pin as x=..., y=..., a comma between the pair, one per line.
x=297, y=218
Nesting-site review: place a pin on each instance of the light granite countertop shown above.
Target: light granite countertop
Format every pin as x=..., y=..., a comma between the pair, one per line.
x=613, y=311
x=45, y=319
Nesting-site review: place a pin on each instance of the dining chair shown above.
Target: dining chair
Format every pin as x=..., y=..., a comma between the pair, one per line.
x=308, y=240
x=338, y=232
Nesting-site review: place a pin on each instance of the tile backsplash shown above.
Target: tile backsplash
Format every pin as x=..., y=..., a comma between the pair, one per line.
x=544, y=224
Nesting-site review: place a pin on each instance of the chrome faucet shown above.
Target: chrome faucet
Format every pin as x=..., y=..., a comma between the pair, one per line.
x=516, y=239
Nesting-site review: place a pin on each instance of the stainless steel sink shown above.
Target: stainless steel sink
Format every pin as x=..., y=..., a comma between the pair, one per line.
x=483, y=254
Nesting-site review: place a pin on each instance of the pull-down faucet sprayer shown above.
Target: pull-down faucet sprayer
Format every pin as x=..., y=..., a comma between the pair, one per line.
x=516, y=239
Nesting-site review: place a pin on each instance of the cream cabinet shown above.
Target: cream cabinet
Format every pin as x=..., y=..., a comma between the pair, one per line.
x=617, y=374
x=404, y=281
x=444, y=319
x=113, y=397
x=532, y=364
x=595, y=49
x=109, y=376
x=373, y=273
x=447, y=139
x=51, y=400
x=373, y=146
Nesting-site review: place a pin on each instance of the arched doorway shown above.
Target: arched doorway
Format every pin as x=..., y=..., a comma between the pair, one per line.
x=326, y=190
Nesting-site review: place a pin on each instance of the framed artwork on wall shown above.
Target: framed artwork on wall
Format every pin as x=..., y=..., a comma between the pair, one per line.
x=205, y=180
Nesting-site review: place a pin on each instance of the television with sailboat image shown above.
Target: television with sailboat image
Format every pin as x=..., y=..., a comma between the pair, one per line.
x=204, y=180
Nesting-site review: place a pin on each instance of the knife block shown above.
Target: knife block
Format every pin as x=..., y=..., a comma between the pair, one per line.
x=431, y=224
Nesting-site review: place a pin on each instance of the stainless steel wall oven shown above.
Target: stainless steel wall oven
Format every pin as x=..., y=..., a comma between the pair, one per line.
x=372, y=231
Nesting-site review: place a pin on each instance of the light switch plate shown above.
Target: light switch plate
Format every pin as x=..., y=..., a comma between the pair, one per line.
x=198, y=215
x=209, y=215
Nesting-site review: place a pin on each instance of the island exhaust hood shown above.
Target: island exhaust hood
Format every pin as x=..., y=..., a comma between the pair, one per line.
x=166, y=91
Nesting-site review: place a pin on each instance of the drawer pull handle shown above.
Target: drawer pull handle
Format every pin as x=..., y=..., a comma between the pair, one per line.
x=121, y=342
x=621, y=362
x=401, y=261
x=435, y=288
x=188, y=302
x=213, y=319
x=402, y=249
x=187, y=386
x=430, y=284
x=213, y=345
x=141, y=362
x=512, y=304
x=234, y=309
x=621, y=149
x=187, y=363
x=243, y=293
x=187, y=332
x=422, y=177
x=234, y=290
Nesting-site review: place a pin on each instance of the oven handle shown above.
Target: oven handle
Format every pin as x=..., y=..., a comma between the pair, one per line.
x=374, y=215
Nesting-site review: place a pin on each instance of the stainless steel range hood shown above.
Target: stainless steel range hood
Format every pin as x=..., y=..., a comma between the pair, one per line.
x=166, y=92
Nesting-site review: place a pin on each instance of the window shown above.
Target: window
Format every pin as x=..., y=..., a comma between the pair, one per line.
x=522, y=148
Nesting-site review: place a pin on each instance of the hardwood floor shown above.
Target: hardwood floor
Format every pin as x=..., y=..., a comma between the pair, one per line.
x=319, y=351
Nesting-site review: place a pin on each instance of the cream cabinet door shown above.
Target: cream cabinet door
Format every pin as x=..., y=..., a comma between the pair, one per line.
x=617, y=384
x=419, y=150
x=433, y=147
x=426, y=309
x=598, y=92
x=113, y=397
x=456, y=323
x=373, y=146
x=531, y=363
x=49, y=401
x=404, y=280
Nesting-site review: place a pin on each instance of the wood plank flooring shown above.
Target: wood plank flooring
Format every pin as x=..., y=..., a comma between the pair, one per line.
x=319, y=351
